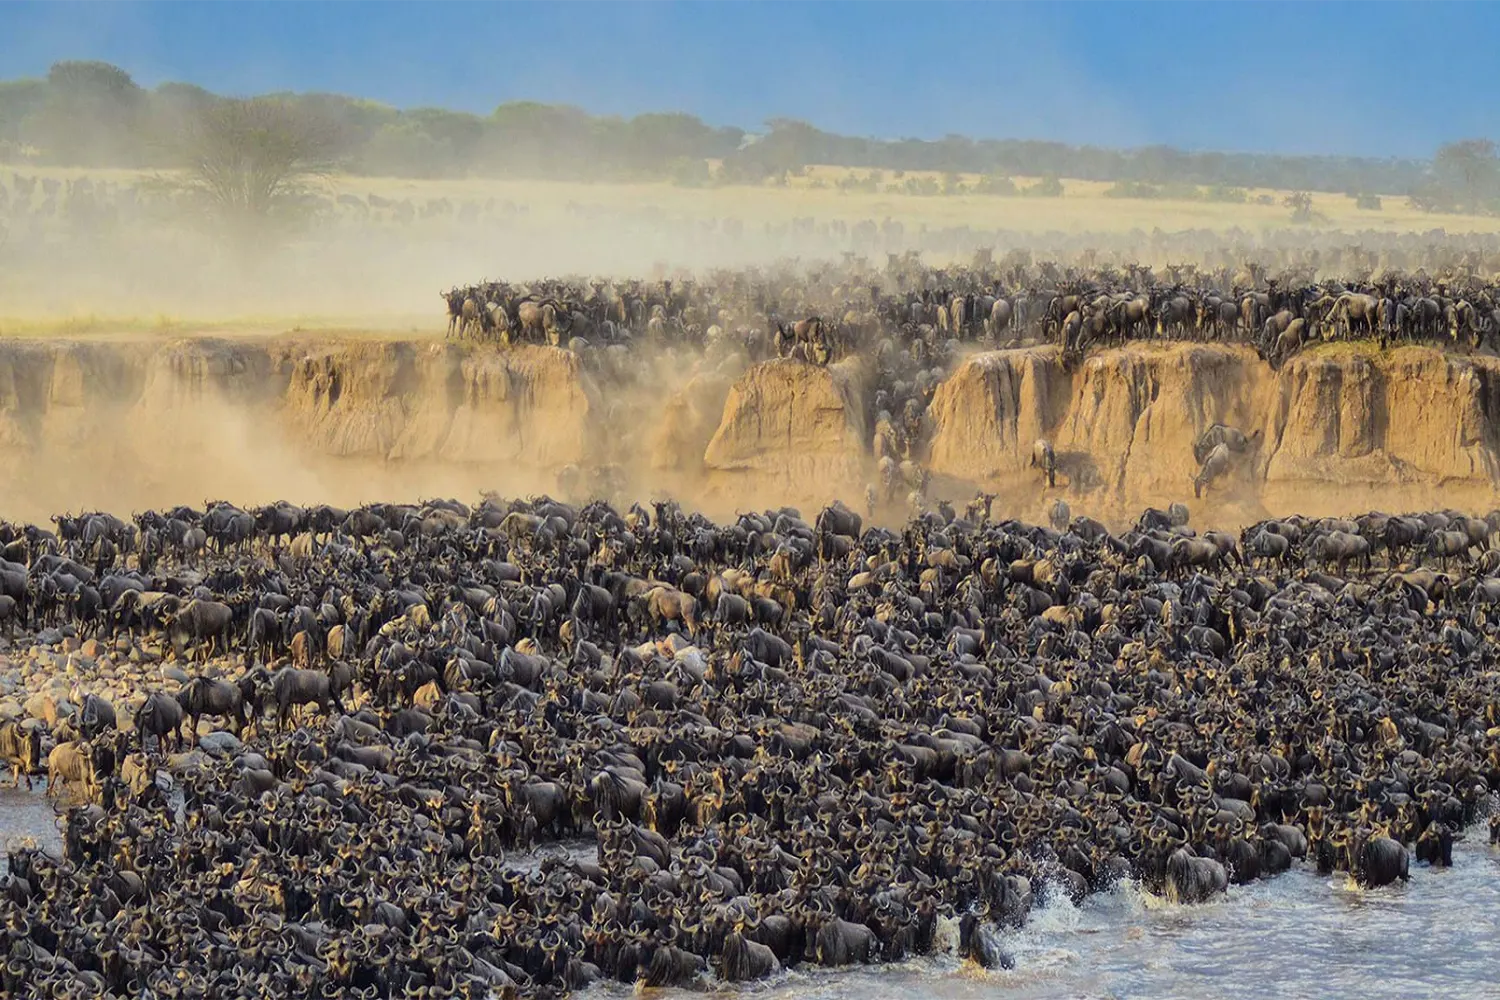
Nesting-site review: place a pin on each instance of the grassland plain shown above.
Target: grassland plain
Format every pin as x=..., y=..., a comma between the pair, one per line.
x=1083, y=207
x=374, y=276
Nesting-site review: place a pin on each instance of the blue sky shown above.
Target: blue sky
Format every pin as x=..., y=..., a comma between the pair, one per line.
x=1385, y=79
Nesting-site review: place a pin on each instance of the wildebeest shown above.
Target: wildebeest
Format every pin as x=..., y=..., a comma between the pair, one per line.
x=743, y=960
x=1377, y=861
x=839, y=942
x=1214, y=466
x=1268, y=545
x=1232, y=438
x=160, y=716
x=71, y=764
x=1339, y=547
x=1044, y=458
x=209, y=696
x=668, y=604
x=1059, y=515
x=293, y=686
x=1192, y=879
x=21, y=748
x=207, y=622
x=95, y=716
x=871, y=729
x=1446, y=545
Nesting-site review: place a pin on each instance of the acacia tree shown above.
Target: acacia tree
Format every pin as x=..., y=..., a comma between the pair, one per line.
x=248, y=162
x=1469, y=171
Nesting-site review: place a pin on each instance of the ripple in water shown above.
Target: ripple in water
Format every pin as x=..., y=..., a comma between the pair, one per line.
x=1297, y=935
x=25, y=815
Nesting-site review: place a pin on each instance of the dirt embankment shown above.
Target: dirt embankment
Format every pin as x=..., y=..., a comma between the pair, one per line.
x=122, y=426
x=791, y=432
x=1335, y=430
x=125, y=425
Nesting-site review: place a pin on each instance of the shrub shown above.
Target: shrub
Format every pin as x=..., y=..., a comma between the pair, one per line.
x=1047, y=187
x=996, y=184
x=1228, y=195
x=1133, y=189
x=689, y=172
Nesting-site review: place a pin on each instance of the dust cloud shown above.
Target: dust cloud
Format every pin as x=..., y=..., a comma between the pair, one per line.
x=128, y=423
x=149, y=363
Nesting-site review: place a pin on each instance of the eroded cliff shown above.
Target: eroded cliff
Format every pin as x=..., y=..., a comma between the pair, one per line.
x=792, y=432
x=1337, y=428
x=122, y=425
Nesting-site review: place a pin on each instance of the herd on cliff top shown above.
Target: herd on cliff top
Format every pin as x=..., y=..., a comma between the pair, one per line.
x=825, y=313
x=916, y=321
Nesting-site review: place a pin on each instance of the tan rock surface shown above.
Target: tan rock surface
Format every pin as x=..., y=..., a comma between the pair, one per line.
x=793, y=429
x=124, y=425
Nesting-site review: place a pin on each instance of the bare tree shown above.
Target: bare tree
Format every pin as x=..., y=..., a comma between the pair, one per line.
x=248, y=162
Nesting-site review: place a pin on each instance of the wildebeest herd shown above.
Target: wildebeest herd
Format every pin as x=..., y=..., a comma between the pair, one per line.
x=779, y=741
x=831, y=311
x=911, y=323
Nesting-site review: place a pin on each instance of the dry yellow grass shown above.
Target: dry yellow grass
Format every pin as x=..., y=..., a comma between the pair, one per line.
x=1083, y=207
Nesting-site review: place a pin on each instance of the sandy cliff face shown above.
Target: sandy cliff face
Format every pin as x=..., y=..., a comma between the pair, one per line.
x=792, y=430
x=990, y=411
x=1411, y=415
x=1340, y=428
x=405, y=402
x=121, y=426
x=124, y=425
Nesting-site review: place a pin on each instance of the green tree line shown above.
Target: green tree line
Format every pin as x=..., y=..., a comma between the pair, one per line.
x=94, y=114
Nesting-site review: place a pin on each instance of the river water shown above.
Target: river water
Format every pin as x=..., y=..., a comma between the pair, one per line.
x=24, y=815
x=1299, y=935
